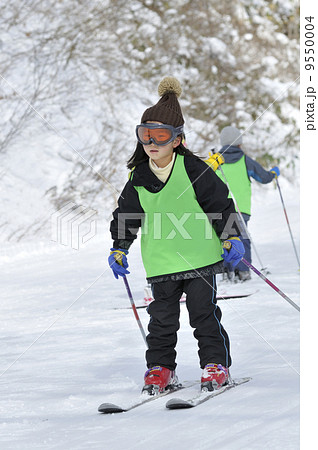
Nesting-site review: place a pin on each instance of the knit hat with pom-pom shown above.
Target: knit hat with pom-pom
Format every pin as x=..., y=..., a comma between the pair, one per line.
x=167, y=110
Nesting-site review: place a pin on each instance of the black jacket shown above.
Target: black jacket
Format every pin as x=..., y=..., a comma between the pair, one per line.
x=211, y=194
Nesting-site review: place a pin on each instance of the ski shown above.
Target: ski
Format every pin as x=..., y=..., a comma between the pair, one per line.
x=177, y=403
x=183, y=300
x=111, y=408
x=219, y=297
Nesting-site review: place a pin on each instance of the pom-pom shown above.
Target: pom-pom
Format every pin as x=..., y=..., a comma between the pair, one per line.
x=169, y=84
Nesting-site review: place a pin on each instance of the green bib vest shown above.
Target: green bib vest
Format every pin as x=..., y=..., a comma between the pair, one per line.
x=239, y=183
x=176, y=234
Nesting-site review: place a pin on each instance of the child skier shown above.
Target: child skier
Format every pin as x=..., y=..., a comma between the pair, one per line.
x=183, y=210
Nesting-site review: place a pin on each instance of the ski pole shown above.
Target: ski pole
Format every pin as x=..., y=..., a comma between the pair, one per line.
x=227, y=245
x=134, y=309
x=241, y=217
x=290, y=232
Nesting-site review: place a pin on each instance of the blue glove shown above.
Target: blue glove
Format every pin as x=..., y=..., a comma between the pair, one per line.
x=235, y=253
x=118, y=262
x=275, y=170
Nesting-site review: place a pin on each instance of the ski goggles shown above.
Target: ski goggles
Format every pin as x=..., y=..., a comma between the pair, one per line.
x=148, y=133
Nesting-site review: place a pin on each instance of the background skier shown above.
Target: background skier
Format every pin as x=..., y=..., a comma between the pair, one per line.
x=238, y=169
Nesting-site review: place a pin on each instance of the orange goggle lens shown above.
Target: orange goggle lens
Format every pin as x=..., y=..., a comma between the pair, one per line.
x=158, y=134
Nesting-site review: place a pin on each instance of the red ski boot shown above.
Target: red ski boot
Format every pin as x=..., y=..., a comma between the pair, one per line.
x=214, y=376
x=158, y=379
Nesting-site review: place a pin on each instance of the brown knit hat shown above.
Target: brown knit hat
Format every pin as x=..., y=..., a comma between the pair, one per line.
x=167, y=110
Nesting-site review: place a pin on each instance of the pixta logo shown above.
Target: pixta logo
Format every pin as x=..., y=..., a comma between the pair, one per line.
x=73, y=225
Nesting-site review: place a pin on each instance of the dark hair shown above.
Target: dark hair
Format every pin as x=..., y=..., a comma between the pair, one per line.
x=139, y=156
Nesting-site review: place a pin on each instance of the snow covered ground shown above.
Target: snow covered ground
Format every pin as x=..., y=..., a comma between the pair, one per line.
x=65, y=349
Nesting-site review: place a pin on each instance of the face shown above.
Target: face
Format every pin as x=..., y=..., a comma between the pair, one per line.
x=161, y=154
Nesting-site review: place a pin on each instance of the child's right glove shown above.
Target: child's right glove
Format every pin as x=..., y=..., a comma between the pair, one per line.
x=235, y=253
x=118, y=262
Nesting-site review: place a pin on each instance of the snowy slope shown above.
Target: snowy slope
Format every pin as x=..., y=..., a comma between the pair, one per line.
x=65, y=350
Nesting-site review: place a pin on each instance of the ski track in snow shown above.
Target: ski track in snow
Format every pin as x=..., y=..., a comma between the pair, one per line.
x=65, y=350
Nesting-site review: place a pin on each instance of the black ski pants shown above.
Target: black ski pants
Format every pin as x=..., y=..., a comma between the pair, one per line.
x=205, y=318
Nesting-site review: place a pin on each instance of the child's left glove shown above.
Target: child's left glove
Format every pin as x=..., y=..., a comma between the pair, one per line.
x=235, y=253
x=118, y=262
x=215, y=160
